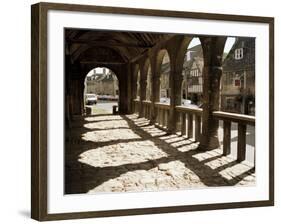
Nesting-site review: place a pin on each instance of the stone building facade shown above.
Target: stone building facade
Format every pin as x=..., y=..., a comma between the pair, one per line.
x=105, y=83
x=192, y=86
x=238, y=79
x=164, y=79
x=192, y=83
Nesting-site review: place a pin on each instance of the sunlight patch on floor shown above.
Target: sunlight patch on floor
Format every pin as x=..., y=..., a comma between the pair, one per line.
x=128, y=154
x=122, y=153
x=107, y=124
x=110, y=135
x=104, y=117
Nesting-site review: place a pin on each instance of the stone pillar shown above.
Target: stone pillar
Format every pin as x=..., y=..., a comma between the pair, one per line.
x=67, y=97
x=212, y=72
x=155, y=95
x=81, y=95
x=129, y=86
x=76, y=97
x=134, y=86
x=142, y=94
x=175, y=98
x=123, y=91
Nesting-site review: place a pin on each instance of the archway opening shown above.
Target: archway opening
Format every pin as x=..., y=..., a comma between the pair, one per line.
x=138, y=85
x=101, y=91
x=237, y=89
x=148, y=84
x=165, y=90
x=238, y=79
x=192, y=83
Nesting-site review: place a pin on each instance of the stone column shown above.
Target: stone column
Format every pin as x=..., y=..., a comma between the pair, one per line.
x=75, y=95
x=123, y=91
x=129, y=86
x=212, y=72
x=175, y=98
x=81, y=94
x=67, y=97
x=134, y=86
x=155, y=95
x=142, y=94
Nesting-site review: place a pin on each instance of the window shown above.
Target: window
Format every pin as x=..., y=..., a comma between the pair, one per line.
x=238, y=54
x=237, y=82
x=194, y=73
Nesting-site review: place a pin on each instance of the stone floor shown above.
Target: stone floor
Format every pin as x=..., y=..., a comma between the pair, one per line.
x=114, y=153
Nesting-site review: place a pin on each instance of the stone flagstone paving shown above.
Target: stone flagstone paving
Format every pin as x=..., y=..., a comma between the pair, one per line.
x=116, y=153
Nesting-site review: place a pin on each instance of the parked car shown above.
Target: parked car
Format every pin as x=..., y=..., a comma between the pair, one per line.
x=108, y=97
x=184, y=102
x=91, y=99
x=165, y=100
x=188, y=103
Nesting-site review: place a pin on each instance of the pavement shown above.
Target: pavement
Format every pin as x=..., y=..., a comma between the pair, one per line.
x=103, y=107
x=116, y=153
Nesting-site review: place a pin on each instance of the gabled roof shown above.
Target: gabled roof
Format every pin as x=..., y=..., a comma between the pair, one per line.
x=196, y=57
x=248, y=60
x=102, y=77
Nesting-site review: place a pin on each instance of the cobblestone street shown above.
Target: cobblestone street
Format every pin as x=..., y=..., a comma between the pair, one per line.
x=116, y=153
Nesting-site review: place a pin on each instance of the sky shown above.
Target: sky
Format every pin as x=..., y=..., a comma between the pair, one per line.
x=98, y=70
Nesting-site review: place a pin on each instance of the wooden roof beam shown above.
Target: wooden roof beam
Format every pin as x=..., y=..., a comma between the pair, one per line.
x=107, y=44
x=103, y=62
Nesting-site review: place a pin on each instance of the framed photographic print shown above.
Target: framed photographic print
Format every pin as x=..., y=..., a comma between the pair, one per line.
x=138, y=111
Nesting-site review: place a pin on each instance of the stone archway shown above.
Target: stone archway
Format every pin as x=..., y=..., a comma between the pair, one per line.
x=165, y=69
x=138, y=84
x=149, y=84
x=101, y=85
x=193, y=72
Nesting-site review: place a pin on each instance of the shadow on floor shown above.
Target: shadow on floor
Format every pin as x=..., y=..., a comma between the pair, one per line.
x=81, y=177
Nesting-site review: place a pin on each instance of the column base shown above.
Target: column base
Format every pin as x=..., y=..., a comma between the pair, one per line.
x=208, y=143
x=152, y=121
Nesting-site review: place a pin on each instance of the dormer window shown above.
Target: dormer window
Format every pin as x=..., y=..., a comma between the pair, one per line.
x=238, y=54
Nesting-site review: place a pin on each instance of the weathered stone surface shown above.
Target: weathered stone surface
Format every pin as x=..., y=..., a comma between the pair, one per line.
x=125, y=154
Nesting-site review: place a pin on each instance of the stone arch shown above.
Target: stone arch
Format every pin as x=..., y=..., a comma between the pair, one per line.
x=190, y=61
x=138, y=83
x=159, y=58
x=163, y=67
x=214, y=46
x=112, y=89
x=146, y=78
x=182, y=51
x=91, y=67
x=149, y=83
x=135, y=79
x=184, y=90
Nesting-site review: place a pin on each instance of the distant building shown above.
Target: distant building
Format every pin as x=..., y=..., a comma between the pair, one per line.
x=238, y=80
x=192, y=87
x=164, y=80
x=102, y=83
